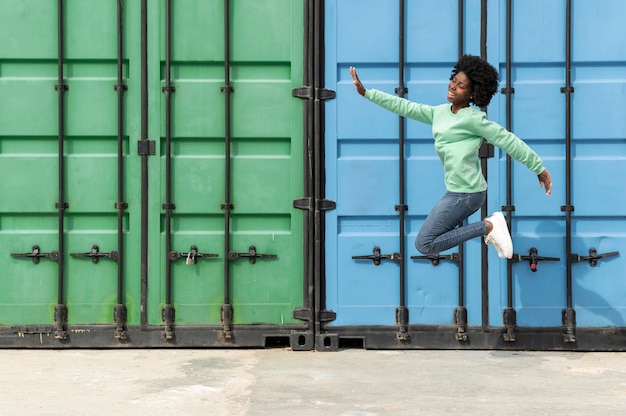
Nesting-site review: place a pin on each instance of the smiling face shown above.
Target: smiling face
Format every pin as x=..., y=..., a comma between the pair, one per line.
x=459, y=91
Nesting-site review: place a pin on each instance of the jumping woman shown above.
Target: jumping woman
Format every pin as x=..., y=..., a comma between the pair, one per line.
x=458, y=130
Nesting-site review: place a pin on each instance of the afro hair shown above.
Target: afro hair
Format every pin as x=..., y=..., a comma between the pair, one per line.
x=483, y=76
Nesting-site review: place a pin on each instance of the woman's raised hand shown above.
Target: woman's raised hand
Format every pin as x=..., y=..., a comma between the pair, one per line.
x=356, y=81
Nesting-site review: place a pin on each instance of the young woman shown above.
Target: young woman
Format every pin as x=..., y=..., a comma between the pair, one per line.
x=459, y=129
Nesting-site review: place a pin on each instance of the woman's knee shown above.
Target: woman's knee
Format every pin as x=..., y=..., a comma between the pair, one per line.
x=424, y=245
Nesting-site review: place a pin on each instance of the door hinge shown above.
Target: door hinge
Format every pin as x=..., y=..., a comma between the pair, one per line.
x=311, y=204
x=146, y=147
x=308, y=92
x=303, y=314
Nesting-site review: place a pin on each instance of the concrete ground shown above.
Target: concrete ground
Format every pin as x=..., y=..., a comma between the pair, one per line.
x=283, y=382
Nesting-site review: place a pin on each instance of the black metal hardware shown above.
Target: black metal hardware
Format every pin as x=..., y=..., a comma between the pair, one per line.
x=95, y=254
x=168, y=316
x=401, y=90
x=533, y=258
x=60, y=319
x=508, y=90
x=402, y=322
x=227, y=314
x=486, y=150
x=569, y=314
x=309, y=92
x=35, y=255
x=303, y=314
x=143, y=142
x=509, y=317
x=119, y=311
x=435, y=259
x=378, y=258
x=192, y=256
x=120, y=315
x=61, y=205
x=593, y=257
x=252, y=255
x=308, y=203
x=168, y=312
x=227, y=205
x=146, y=147
x=460, y=321
x=168, y=89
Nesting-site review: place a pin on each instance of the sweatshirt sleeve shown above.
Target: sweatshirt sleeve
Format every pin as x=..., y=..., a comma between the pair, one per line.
x=401, y=106
x=510, y=143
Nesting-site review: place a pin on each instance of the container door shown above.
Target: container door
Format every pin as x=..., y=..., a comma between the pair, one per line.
x=365, y=284
x=230, y=163
x=68, y=227
x=576, y=125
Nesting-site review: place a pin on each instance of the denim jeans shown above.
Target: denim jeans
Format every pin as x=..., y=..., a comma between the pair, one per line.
x=440, y=230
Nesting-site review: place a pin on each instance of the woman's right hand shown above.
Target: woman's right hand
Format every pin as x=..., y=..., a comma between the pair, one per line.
x=356, y=81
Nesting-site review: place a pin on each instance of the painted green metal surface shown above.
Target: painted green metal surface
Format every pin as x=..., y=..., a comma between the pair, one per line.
x=267, y=159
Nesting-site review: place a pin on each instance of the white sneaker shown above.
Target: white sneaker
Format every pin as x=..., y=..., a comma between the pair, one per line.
x=499, y=236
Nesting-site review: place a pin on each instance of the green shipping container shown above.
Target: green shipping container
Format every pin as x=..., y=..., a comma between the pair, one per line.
x=151, y=153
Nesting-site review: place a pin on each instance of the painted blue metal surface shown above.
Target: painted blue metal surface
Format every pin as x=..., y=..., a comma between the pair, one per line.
x=362, y=161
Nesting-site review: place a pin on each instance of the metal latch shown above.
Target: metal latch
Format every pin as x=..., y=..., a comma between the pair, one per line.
x=532, y=258
x=252, y=255
x=36, y=255
x=192, y=256
x=435, y=259
x=377, y=258
x=95, y=254
x=593, y=257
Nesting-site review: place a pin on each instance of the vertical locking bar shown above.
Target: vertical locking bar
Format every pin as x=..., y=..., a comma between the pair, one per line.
x=569, y=314
x=509, y=314
x=460, y=314
x=483, y=162
x=402, y=312
x=227, y=309
x=60, y=315
x=144, y=166
x=168, y=206
x=119, y=312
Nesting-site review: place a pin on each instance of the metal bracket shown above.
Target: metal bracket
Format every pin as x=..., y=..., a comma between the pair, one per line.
x=593, y=257
x=168, y=89
x=323, y=315
x=309, y=92
x=435, y=259
x=532, y=258
x=168, y=316
x=95, y=254
x=378, y=258
x=509, y=316
x=403, y=90
x=252, y=255
x=460, y=320
x=35, y=255
x=310, y=204
x=192, y=256
x=567, y=90
x=486, y=150
x=146, y=147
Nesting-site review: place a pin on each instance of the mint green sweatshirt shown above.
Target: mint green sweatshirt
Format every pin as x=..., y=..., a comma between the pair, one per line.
x=458, y=138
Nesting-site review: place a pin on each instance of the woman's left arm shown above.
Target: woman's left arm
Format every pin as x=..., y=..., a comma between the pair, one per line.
x=516, y=148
